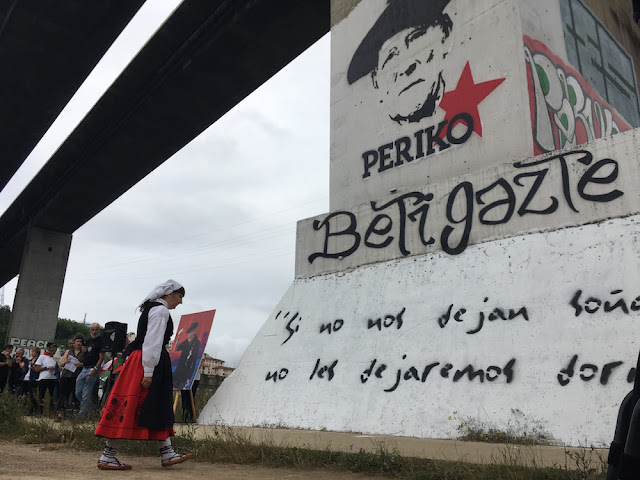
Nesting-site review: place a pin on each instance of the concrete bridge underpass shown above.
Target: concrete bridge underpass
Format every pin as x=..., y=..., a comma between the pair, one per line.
x=206, y=58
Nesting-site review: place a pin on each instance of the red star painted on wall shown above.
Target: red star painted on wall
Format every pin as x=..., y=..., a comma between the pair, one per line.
x=467, y=96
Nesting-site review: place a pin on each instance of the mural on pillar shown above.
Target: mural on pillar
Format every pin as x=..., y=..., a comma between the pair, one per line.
x=405, y=56
x=533, y=309
x=393, y=340
x=565, y=110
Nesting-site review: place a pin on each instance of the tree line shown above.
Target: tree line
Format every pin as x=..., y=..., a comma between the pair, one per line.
x=65, y=329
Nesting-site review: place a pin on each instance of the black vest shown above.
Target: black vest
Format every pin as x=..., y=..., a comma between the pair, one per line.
x=143, y=322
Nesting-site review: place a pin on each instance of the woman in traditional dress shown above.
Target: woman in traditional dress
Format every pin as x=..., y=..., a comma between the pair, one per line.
x=140, y=404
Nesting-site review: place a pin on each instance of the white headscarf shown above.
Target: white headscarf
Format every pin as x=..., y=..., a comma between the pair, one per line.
x=161, y=290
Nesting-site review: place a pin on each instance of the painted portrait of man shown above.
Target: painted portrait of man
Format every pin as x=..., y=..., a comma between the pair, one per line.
x=403, y=55
x=189, y=349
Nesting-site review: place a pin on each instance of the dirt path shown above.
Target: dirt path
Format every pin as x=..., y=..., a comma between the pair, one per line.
x=30, y=462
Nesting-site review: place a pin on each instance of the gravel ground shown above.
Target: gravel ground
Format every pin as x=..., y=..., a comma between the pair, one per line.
x=52, y=461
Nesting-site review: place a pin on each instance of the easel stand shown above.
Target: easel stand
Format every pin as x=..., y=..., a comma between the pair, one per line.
x=108, y=384
x=193, y=405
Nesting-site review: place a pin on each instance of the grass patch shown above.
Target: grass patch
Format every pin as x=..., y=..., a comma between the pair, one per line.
x=519, y=431
x=202, y=397
x=227, y=445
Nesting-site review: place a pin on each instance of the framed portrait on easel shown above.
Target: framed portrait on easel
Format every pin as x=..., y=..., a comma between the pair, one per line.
x=188, y=347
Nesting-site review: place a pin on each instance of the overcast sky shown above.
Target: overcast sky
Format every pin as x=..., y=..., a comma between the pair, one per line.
x=226, y=230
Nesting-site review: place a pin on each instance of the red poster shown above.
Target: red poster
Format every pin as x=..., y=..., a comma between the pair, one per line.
x=188, y=347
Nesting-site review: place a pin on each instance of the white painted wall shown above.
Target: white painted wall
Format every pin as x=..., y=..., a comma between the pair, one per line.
x=567, y=268
x=542, y=20
x=541, y=271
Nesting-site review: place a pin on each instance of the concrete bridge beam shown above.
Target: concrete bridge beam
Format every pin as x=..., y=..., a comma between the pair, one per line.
x=35, y=308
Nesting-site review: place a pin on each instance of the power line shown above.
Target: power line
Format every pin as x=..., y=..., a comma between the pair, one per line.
x=192, y=268
x=177, y=256
x=212, y=247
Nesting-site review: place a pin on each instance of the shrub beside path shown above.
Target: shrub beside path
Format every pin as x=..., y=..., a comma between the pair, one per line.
x=452, y=450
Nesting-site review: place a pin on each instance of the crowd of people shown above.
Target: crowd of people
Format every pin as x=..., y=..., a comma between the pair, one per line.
x=70, y=375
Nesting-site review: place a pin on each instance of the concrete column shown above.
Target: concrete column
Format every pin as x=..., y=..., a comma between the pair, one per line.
x=35, y=308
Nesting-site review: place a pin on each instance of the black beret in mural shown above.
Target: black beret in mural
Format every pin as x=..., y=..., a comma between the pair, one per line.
x=192, y=327
x=398, y=16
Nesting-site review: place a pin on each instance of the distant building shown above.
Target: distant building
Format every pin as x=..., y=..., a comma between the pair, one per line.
x=214, y=366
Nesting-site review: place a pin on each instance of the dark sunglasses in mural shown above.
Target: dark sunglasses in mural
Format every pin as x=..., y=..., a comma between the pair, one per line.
x=403, y=54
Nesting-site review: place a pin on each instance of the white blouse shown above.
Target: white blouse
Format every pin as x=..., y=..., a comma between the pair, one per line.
x=25, y=377
x=154, y=338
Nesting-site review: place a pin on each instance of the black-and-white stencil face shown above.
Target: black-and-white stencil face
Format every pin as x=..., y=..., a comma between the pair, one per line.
x=409, y=72
x=404, y=54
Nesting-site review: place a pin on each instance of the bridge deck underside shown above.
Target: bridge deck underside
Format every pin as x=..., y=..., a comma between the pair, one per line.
x=47, y=49
x=204, y=60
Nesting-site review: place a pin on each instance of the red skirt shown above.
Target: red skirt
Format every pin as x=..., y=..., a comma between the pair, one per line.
x=119, y=416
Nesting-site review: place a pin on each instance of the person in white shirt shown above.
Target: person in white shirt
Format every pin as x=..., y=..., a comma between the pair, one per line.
x=45, y=365
x=139, y=404
x=71, y=366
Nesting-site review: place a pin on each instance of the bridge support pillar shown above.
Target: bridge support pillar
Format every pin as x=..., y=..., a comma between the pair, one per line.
x=35, y=308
